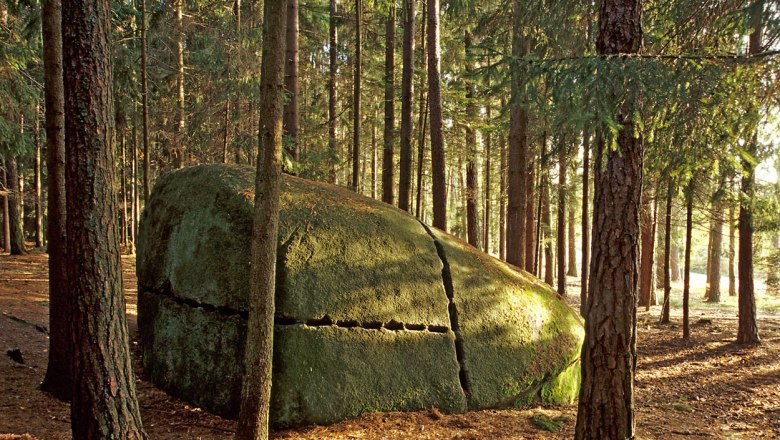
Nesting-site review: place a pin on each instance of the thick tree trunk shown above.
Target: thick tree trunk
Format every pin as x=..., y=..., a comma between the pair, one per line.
x=291, y=119
x=356, y=98
x=388, y=160
x=57, y=381
x=606, y=402
x=518, y=149
x=585, y=213
x=14, y=214
x=560, y=230
x=434, y=96
x=407, y=93
x=253, y=423
x=646, y=266
x=104, y=403
x=667, y=245
x=687, y=263
x=332, y=71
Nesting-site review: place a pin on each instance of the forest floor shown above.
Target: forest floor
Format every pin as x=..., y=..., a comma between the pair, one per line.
x=707, y=387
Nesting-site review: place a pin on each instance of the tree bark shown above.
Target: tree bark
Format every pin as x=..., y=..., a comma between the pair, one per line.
x=571, y=266
x=14, y=215
x=687, y=263
x=434, y=97
x=253, y=423
x=407, y=93
x=747, y=329
x=178, y=129
x=332, y=71
x=37, y=178
x=560, y=230
x=502, y=175
x=606, y=402
x=388, y=164
x=145, y=102
x=488, y=171
x=585, y=212
x=646, y=264
x=291, y=118
x=471, y=150
x=356, y=98
x=104, y=403
x=667, y=246
x=732, y=252
x=57, y=381
x=717, y=243
x=530, y=232
x=549, y=264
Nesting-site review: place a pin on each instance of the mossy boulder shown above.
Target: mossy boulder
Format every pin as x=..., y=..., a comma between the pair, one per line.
x=375, y=311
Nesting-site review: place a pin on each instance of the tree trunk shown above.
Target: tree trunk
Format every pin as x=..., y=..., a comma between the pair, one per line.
x=14, y=215
x=667, y=245
x=123, y=180
x=407, y=93
x=291, y=119
x=585, y=213
x=145, y=102
x=572, y=250
x=732, y=252
x=253, y=422
x=57, y=381
x=560, y=230
x=518, y=150
x=434, y=96
x=687, y=263
x=502, y=175
x=471, y=149
x=226, y=132
x=606, y=402
x=488, y=153
x=104, y=403
x=423, y=112
x=373, y=157
x=37, y=177
x=332, y=71
x=356, y=98
x=388, y=164
x=530, y=231
x=547, y=229
x=178, y=129
x=646, y=263
x=717, y=242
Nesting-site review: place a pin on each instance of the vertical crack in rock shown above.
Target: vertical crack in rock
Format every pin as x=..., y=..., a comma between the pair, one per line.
x=446, y=276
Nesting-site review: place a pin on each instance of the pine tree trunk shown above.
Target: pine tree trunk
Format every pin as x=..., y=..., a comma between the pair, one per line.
x=560, y=230
x=291, y=119
x=356, y=98
x=585, y=213
x=123, y=179
x=502, y=175
x=57, y=381
x=572, y=250
x=732, y=252
x=646, y=272
x=373, y=157
x=104, y=403
x=530, y=231
x=423, y=113
x=488, y=171
x=388, y=154
x=253, y=423
x=606, y=401
x=717, y=242
x=14, y=214
x=667, y=245
x=518, y=150
x=332, y=71
x=434, y=97
x=549, y=264
x=178, y=129
x=145, y=102
x=687, y=263
x=407, y=93
x=471, y=149
x=37, y=178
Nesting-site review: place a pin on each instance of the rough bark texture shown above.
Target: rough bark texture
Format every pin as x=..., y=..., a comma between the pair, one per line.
x=434, y=99
x=291, y=119
x=57, y=381
x=14, y=214
x=356, y=98
x=253, y=423
x=687, y=263
x=647, y=251
x=407, y=93
x=747, y=330
x=332, y=70
x=518, y=151
x=388, y=164
x=560, y=230
x=606, y=403
x=104, y=403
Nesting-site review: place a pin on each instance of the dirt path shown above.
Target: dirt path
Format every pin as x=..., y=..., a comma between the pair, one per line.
x=705, y=388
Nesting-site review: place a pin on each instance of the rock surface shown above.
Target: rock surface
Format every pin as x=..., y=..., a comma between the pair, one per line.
x=375, y=311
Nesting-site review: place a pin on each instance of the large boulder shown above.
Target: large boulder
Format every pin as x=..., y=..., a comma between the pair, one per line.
x=375, y=310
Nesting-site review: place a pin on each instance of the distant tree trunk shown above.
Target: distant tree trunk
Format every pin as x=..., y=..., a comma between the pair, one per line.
x=606, y=401
x=178, y=129
x=708, y=270
x=253, y=422
x=58, y=381
x=407, y=93
x=145, y=102
x=687, y=263
x=437, y=141
x=717, y=242
x=646, y=272
x=356, y=98
x=732, y=252
x=422, y=128
x=561, y=217
x=530, y=231
x=388, y=162
x=488, y=171
x=675, y=257
x=502, y=175
x=585, y=212
x=37, y=177
x=572, y=245
x=667, y=246
x=332, y=71
x=104, y=403
x=547, y=230
x=471, y=150
x=226, y=132
x=291, y=118
x=518, y=149
x=123, y=180
x=14, y=216
x=373, y=157
x=747, y=330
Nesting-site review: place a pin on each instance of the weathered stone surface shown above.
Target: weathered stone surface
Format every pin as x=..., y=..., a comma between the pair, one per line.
x=364, y=321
